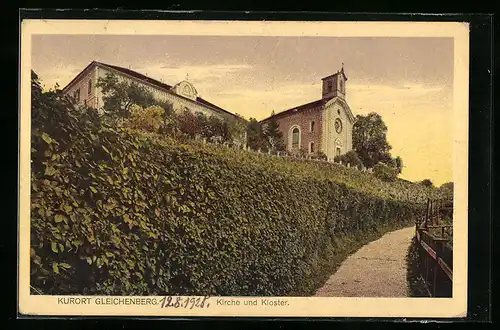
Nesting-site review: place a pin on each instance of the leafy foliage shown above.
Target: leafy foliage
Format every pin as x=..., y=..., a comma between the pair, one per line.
x=370, y=142
x=256, y=137
x=351, y=158
x=427, y=183
x=384, y=172
x=319, y=155
x=150, y=119
x=119, y=96
x=274, y=135
x=398, y=164
x=116, y=211
x=447, y=188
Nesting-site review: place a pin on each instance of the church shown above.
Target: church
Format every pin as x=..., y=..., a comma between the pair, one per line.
x=183, y=95
x=324, y=125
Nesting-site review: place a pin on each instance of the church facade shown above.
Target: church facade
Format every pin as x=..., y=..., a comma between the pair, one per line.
x=323, y=125
x=183, y=96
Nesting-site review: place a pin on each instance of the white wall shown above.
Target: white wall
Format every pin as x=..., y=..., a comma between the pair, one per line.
x=330, y=135
x=179, y=103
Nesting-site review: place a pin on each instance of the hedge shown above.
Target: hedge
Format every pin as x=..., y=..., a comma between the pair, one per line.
x=120, y=212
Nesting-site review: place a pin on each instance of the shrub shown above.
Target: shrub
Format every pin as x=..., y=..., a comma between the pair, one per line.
x=351, y=158
x=384, y=172
x=426, y=183
x=319, y=155
x=150, y=119
x=188, y=123
x=119, y=212
x=124, y=212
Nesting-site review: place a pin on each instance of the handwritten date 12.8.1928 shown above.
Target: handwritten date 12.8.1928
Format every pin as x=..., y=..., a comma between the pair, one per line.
x=185, y=302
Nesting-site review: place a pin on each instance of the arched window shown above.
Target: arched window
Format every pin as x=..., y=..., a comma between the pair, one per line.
x=312, y=126
x=311, y=147
x=295, y=137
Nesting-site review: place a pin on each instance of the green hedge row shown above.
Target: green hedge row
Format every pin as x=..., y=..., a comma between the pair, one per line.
x=124, y=213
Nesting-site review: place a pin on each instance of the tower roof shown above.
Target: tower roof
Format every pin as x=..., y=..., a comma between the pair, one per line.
x=341, y=71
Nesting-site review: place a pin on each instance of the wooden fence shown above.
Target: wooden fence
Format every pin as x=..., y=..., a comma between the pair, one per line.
x=284, y=154
x=434, y=241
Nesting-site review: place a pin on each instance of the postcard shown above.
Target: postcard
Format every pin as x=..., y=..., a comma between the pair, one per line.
x=243, y=168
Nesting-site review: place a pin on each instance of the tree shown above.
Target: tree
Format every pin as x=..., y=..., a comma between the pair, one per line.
x=385, y=172
x=150, y=119
x=274, y=135
x=51, y=109
x=370, y=140
x=256, y=138
x=399, y=164
x=447, y=190
x=119, y=96
x=236, y=128
x=447, y=186
x=351, y=158
x=188, y=123
x=426, y=182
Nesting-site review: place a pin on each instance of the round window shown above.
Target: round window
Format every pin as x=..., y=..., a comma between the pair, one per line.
x=338, y=125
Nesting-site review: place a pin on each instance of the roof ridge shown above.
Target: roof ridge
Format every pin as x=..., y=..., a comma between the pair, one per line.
x=148, y=79
x=137, y=75
x=319, y=101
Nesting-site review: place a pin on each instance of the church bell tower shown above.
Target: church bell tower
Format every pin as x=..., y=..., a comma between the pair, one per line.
x=334, y=85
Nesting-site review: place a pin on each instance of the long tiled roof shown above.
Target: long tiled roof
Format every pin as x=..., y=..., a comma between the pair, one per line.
x=309, y=105
x=150, y=80
x=136, y=75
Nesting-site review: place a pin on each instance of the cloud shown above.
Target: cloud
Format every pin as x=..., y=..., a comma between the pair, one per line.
x=259, y=103
x=61, y=75
x=200, y=75
x=421, y=95
x=418, y=116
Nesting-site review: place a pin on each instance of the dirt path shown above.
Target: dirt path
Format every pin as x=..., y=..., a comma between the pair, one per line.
x=378, y=269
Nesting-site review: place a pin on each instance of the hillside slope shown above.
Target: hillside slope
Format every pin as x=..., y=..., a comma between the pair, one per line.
x=124, y=212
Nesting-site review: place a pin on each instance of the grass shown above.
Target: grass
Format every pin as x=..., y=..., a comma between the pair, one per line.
x=416, y=284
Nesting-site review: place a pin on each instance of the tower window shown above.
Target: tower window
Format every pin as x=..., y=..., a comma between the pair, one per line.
x=90, y=87
x=330, y=86
x=338, y=151
x=295, y=137
x=312, y=126
x=311, y=147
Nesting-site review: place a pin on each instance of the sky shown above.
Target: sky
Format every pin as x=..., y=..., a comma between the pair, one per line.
x=408, y=81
